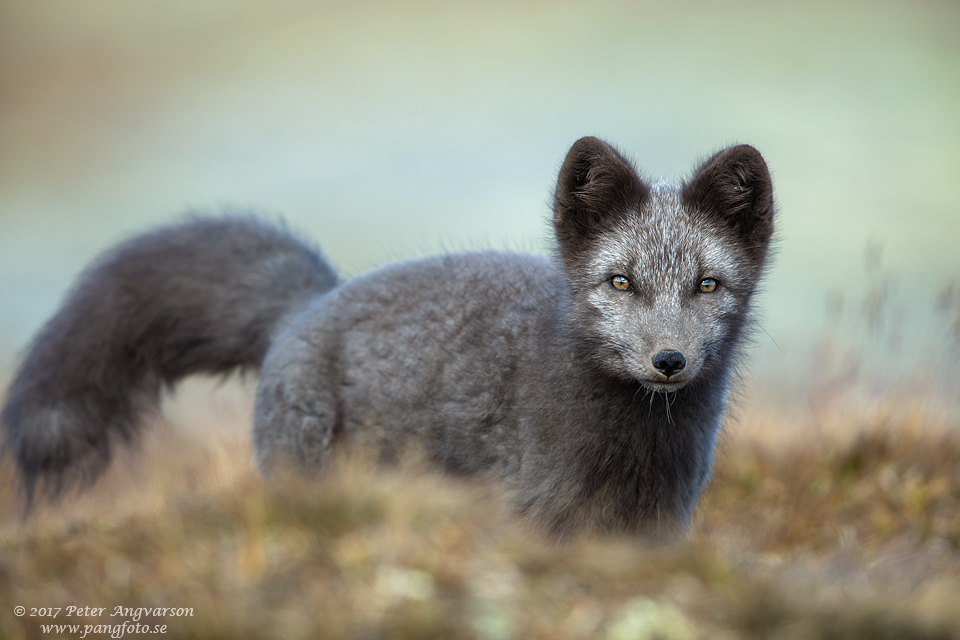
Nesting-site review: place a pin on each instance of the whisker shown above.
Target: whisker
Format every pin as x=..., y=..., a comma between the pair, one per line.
x=666, y=397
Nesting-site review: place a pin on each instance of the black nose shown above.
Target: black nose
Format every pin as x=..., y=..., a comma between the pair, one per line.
x=669, y=362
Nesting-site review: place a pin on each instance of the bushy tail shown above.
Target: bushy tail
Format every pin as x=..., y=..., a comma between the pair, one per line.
x=203, y=296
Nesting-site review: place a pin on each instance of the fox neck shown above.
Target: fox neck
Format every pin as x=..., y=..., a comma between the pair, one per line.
x=643, y=455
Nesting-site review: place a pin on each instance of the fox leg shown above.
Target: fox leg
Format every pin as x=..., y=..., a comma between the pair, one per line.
x=293, y=427
x=297, y=415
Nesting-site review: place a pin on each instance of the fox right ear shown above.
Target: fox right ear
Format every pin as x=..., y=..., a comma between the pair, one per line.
x=596, y=187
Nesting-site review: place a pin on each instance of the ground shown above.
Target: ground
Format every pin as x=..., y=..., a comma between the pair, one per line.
x=838, y=518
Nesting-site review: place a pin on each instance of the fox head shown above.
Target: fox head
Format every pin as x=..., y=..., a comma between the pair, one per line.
x=661, y=275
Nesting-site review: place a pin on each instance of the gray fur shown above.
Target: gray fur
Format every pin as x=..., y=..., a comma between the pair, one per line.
x=536, y=371
x=203, y=296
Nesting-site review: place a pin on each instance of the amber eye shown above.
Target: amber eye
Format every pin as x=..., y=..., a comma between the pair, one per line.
x=707, y=285
x=619, y=283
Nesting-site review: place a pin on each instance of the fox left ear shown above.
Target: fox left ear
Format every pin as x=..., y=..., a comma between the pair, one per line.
x=735, y=187
x=596, y=187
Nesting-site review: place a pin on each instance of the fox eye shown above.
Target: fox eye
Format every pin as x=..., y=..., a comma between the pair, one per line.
x=620, y=283
x=707, y=285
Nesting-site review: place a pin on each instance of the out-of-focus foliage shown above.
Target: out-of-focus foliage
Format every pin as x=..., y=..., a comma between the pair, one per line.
x=849, y=528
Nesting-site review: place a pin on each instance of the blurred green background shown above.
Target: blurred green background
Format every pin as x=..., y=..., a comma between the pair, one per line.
x=385, y=130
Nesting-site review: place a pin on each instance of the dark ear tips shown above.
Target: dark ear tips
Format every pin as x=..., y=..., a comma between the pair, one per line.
x=595, y=183
x=582, y=168
x=735, y=186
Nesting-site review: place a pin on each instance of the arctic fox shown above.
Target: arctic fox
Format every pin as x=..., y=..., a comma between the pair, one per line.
x=591, y=384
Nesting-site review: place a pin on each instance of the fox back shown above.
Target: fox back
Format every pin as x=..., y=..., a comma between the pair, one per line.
x=591, y=383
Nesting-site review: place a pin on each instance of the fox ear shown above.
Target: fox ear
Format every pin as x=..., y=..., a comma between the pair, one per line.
x=596, y=187
x=735, y=187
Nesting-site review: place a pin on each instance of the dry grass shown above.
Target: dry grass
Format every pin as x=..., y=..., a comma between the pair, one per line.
x=846, y=525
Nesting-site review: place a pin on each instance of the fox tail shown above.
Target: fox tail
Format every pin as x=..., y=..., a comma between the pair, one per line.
x=202, y=296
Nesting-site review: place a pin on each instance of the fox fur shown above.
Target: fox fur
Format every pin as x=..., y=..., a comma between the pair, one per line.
x=592, y=383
